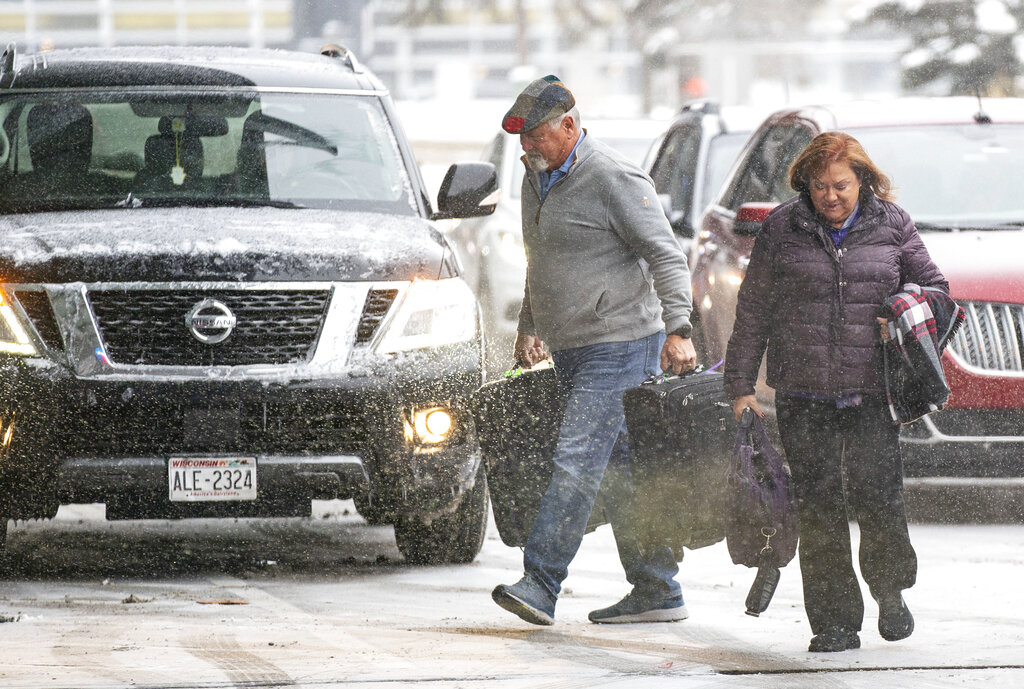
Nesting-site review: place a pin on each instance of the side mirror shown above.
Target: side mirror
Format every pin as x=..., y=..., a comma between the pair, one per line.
x=677, y=219
x=749, y=218
x=468, y=190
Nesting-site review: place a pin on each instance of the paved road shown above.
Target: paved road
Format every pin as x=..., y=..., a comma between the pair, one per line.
x=328, y=602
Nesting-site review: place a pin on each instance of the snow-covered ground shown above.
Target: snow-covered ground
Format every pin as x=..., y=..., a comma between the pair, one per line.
x=327, y=602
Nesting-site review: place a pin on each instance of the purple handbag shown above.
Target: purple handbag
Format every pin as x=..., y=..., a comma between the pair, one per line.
x=761, y=521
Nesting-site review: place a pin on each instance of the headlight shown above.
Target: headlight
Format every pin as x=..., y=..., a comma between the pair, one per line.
x=429, y=426
x=13, y=338
x=433, y=313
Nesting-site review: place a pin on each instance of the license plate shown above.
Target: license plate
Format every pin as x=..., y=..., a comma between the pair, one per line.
x=194, y=479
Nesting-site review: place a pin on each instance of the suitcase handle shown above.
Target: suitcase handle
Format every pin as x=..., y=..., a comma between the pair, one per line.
x=518, y=369
x=666, y=377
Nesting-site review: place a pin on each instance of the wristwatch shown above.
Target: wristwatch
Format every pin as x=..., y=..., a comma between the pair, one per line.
x=683, y=331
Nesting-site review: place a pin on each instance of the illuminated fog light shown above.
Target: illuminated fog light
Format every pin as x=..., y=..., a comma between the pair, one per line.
x=734, y=279
x=432, y=425
x=439, y=422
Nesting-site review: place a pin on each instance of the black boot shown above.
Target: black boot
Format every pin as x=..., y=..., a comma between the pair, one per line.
x=834, y=639
x=894, y=619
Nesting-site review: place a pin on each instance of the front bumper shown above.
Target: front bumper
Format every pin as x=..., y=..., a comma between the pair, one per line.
x=109, y=438
x=979, y=434
x=965, y=443
x=137, y=487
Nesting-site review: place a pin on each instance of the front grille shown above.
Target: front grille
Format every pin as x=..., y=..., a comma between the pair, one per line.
x=992, y=337
x=315, y=424
x=147, y=327
x=378, y=302
x=37, y=306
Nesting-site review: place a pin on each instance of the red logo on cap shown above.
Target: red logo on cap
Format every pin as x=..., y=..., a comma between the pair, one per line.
x=514, y=125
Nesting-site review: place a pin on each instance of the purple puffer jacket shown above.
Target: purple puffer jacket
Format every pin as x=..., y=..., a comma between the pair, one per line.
x=814, y=306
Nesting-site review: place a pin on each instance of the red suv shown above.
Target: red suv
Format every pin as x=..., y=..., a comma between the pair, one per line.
x=955, y=164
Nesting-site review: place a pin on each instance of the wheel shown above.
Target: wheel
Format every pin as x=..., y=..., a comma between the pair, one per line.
x=452, y=539
x=5, y=564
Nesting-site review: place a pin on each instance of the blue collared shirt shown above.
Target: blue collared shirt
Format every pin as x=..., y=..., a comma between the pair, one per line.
x=548, y=179
x=839, y=234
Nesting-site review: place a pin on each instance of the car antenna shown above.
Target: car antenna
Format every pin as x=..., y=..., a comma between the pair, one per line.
x=981, y=117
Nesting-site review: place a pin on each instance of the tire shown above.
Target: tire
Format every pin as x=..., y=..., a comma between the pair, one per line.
x=5, y=563
x=452, y=539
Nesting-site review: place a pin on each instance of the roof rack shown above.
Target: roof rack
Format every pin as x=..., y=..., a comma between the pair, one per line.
x=7, y=66
x=346, y=55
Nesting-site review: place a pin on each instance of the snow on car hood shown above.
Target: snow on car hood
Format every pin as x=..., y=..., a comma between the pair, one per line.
x=229, y=244
x=980, y=265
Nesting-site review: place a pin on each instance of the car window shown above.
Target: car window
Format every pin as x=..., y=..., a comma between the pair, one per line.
x=722, y=153
x=634, y=148
x=764, y=176
x=495, y=151
x=675, y=170
x=961, y=174
x=92, y=148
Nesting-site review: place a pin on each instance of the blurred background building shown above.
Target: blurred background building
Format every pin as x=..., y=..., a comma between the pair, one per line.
x=622, y=58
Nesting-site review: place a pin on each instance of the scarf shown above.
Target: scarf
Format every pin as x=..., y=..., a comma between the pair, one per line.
x=921, y=321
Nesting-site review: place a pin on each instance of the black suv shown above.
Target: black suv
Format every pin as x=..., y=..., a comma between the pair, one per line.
x=221, y=294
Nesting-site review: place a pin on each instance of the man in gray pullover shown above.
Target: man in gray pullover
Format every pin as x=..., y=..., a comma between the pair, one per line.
x=605, y=280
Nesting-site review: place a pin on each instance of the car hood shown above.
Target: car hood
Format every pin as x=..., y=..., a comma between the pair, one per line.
x=980, y=265
x=219, y=244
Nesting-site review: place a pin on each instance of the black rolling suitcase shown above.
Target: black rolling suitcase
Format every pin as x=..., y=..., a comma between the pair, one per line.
x=517, y=420
x=681, y=435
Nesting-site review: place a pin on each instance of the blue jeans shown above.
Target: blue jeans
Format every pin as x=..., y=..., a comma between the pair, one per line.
x=593, y=438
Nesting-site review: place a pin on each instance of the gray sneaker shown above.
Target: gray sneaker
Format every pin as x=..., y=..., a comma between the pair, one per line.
x=636, y=607
x=528, y=599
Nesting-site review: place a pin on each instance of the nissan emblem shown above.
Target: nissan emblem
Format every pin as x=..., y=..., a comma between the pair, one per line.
x=210, y=321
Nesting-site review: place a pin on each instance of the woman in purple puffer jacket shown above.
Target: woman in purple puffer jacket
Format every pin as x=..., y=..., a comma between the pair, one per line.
x=819, y=271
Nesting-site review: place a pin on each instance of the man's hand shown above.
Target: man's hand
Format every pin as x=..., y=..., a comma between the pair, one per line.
x=744, y=401
x=678, y=355
x=529, y=350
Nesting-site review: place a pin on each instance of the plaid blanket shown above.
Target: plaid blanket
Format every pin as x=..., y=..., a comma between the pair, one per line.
x=921, y=321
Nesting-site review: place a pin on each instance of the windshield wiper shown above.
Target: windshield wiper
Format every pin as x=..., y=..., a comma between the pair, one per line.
x=969, y=226
x=250, y=202
x=215, y=201
x=935, y=227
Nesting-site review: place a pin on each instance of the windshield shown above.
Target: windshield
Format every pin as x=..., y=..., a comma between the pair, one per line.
x=963, y=174
x=100, y=149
